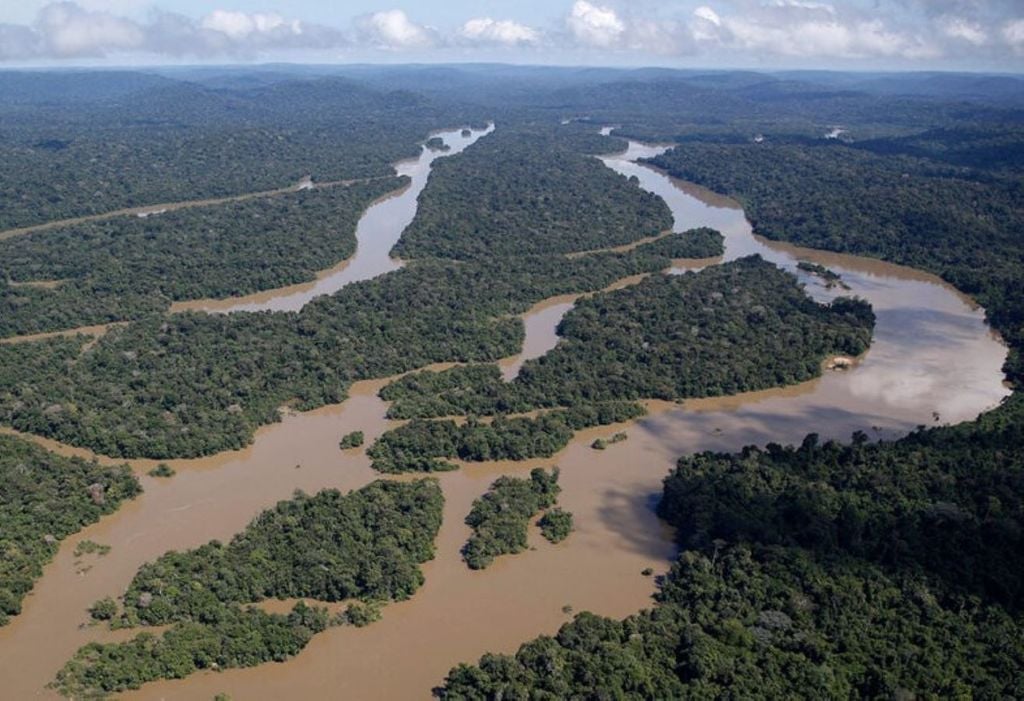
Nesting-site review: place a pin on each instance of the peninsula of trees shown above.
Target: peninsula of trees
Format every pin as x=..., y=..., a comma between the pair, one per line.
x=126, y=267
x=732, y=328
x=44, y=498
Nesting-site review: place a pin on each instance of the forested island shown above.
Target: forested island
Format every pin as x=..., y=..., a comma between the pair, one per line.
x=499, y=518
x=185, y=385
x=420, y=445
x=328, y=548
x=529, y=191
x=907, y=201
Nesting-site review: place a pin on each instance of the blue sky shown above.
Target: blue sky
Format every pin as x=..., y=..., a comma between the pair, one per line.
x=846, y=34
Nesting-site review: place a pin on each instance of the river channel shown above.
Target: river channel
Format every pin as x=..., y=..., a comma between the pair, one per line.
x=376, y=234
x=933, y=360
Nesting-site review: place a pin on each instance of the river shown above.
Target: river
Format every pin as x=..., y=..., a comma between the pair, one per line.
x=377, y=232
x=932, y=353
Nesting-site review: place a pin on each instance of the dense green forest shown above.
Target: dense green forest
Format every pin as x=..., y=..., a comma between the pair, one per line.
x=122, y=268
x=329, y=547
x=421, y=444
x=44, y=498
x=499, y=518
x=947, y=502
x=528, y=191
x=163, y=140
x=194, y=384
x=737, y=327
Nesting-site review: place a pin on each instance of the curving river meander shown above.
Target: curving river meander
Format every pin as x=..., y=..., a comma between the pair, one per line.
x=933, y=358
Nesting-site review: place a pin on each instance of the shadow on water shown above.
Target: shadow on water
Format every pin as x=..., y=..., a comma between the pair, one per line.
x=630, y=516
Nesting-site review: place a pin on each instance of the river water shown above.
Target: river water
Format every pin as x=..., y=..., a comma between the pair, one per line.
x=932, y=354
x=376, y=234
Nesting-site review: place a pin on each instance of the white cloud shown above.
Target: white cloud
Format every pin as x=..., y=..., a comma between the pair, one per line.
x=1013, y=33
x=805, y=29
x=601, y=27
x=506, y=32
x=18, y=42
x=708, y=15
x=706, y=25
x=802, y=4
x=965, y=30
x=831, y=39
x=114, y=7
x=392, y=29
x=238, y=25
x=69, y=31
x=593, y=25
x=902, y=31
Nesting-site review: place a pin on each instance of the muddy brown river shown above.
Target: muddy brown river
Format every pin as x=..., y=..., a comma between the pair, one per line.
x=376, y=234
x=933, y=360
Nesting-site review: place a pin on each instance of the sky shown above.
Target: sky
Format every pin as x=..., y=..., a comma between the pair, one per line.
x=972, y=35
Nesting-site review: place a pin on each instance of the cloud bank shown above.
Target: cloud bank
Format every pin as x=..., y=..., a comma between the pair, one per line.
x=67, y=30
x=901, y=32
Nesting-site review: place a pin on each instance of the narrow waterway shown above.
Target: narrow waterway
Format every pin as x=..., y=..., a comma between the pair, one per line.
x=376, y=234
x=933, y=354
